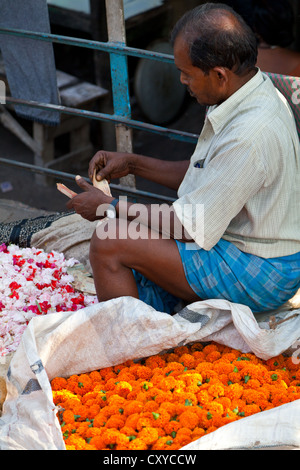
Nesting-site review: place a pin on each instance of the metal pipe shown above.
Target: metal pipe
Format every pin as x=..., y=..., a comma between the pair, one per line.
x=171, y=134
x=110, y=47
x=70, y=177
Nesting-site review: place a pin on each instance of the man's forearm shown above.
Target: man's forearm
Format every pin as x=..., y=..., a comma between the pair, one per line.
x=166, y=173
x=159, y=218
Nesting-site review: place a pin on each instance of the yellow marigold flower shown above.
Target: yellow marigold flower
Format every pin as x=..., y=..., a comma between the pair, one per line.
x=78, y=442
x=63, y=395
x=123, y=388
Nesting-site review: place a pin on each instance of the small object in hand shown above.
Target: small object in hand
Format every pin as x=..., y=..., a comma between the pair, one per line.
x=66, y=191
x=103, y=185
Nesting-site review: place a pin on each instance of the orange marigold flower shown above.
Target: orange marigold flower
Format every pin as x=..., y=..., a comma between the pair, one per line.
x=148, y=435
x=222, y=367
x=199, y=356
x=137, y=444
x=123, y=388
x=196, y=347
x=68, y=416
x=274, y=362
x=203, y=397
x=209, y=348
x=160, y=419
x=99, y=420
x=170, y=357
x=188, y=419
x=133, y=406
x=155, y=361
x=181, y=350
x=197, y=433
x=216, y=409
x=128, y=431
x=115, y=421
x=167, y=383
x=211, y=429
x=97, y=442
x=92, y=411
x=216, y=390
x=95, y=376
x=224, y=401
x=77, y=441
x=172, y=427
x=185, y=398
x=187, y=360
x=173, y=368
x=144, y=372
x=110, y=436
x=251, y=409
x=233, y=391
x=58, y=383
x=253, y=396
x=151, y=406
x=213, y=356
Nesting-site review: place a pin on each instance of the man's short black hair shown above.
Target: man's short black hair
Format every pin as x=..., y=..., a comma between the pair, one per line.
x=217, y=37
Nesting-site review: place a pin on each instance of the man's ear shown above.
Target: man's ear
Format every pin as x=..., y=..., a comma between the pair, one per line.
x=221, y=74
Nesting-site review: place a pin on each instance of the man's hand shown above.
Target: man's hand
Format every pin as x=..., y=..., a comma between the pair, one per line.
x=87, y=203
x=110, y=165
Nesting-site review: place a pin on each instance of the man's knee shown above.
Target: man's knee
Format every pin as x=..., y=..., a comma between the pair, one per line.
x=108, y=237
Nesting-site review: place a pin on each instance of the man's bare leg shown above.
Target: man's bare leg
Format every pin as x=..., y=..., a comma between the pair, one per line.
x=112, y=261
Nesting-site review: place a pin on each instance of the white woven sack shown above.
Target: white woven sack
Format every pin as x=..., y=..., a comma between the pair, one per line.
x=111, y=332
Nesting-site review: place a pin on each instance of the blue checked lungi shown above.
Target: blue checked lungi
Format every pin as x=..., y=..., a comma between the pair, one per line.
x=225, y=272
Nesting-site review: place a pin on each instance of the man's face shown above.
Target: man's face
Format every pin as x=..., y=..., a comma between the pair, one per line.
x=205, y=88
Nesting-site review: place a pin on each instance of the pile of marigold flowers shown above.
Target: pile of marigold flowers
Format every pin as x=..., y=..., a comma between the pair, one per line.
x=167, y=401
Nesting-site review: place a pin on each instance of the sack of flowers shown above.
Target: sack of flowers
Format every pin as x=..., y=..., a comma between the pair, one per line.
x=168, y=401
x=33, y=283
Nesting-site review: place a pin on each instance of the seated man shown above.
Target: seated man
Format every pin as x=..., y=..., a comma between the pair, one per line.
x=244, y=173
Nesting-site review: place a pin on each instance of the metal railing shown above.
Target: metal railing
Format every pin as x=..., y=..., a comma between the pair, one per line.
x=118, y=52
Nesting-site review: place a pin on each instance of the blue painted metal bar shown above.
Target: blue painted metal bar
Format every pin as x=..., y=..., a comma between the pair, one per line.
x=110, y=47
x=170, y=133
x=136, y=193
x=120, y=88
